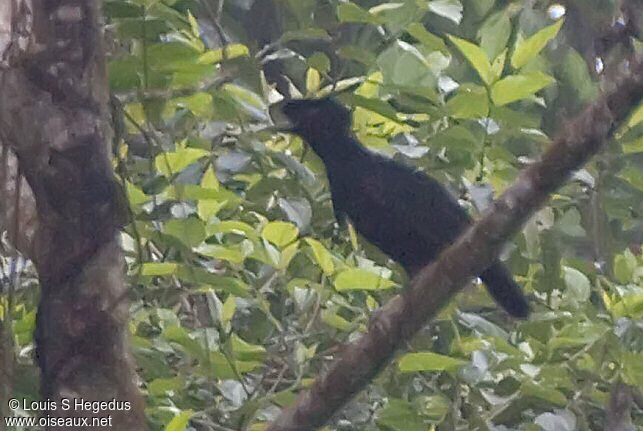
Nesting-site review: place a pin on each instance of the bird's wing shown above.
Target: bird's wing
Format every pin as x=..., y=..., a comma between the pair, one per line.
x=406, y=214
x=421, y=202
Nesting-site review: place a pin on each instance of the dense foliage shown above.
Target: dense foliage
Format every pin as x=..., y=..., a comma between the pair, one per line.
x=244, y=286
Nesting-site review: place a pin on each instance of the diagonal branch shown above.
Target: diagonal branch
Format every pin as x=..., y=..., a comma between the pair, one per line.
x=436, y=284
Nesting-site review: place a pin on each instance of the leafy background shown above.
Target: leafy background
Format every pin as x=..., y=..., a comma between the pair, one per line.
x=243, y=286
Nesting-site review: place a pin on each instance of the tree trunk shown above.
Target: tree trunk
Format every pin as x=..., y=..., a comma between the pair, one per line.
x=53, y=118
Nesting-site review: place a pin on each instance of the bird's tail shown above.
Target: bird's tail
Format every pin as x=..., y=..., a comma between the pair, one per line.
x=505, y=291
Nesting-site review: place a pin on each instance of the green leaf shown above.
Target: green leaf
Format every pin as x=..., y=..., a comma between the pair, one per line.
x=483, y=326
x=233, y=226
x=396, y=16
x=575, y=73
x=633, y=176
x=629, y=306
x=287, y=255
x=319, y=61
x=23, y=328
x=209, y=208
x=221, y=368
x=190, y=231
x=228, y=309
x=194, y=25
x=214, y=282
x=361, y=279
x=570, y=223
x=449, y=9
x=633, y=369
x=171, y=56
x=124, y=74
x=498, y=64
x=355, y=53
x=246, y=100
x=426, y=38
x=135, y=195
x=470, y=101
x=495, y=33
x=529, y=48
x=180, y=422
x=305, y=34
x=163, y=387
x=625, y=266
x=195, y=192
x=178, y=334
x=519, y=87
x=400, y=415
x=200, y=104
x=636, y=117
x=267, y=254
x=280, y=233
x=428, y=361
x=402, y=64
x=121, y=9
x=322, y=256
x=171, y=163
x=244, y=351
x=550, y=395
x=633, y=147
x=376, y=105
x=436, y=407
x=481, y=7
x=154, y=269
x=192, y=77
x=350, y=12
x=551, y=278
x=578, y=286
x=476, y=57
x=302, y=10
x=313, y=81
x=222, y=252
x=229, y=52
x=576, y=335
x=336, y=321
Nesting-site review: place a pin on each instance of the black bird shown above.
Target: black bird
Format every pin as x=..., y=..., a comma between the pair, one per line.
x=409, y=216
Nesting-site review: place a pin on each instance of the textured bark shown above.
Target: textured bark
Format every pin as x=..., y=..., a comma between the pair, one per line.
x=475, y=250
x=53, y=118
x=619, y=408
x=18, y=215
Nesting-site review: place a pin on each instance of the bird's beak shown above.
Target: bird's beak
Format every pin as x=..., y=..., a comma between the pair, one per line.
x=281, y=122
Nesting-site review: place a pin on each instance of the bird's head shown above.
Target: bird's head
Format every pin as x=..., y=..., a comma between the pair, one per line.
x=318, y=121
